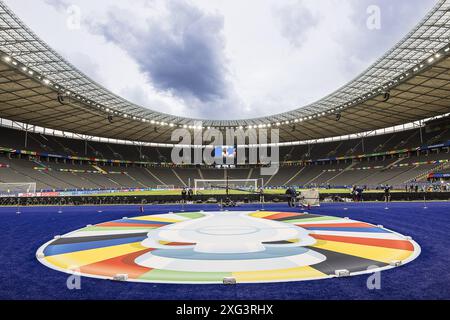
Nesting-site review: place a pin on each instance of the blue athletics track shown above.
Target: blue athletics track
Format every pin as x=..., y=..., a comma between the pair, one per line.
x=22, y=276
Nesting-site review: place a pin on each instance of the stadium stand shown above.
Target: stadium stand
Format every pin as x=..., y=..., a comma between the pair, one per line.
x=42, y=159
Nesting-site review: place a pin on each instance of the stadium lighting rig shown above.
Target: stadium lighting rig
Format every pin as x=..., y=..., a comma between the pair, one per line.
x=384, y=88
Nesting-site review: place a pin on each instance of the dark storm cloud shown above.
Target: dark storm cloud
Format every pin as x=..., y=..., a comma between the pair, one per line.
x=183, y=53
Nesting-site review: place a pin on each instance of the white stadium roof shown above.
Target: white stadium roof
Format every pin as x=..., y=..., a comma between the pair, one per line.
x=416, y=73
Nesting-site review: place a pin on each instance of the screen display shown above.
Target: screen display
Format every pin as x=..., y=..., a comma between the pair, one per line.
x=224, y=152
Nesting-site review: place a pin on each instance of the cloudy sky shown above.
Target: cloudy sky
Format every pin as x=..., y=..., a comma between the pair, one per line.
x=221, y=59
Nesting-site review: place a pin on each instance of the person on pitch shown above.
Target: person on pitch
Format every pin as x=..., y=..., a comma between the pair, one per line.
x=353, y=193
x=387, y=193
x=183, y=195
x=294, y=196
x=261, y=194
x=290, y=194
x=359, y=194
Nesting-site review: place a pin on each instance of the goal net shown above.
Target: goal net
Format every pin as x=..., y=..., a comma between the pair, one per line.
x=14, y=189
x=165, y=187
x=243, y=185
x=309, y=197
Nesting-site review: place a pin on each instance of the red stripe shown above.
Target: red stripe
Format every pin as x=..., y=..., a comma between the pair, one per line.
x=386, y=243
x=123, y=265
x=124, y=224
x=282, y=215
x=180, y=244
x=336, y=225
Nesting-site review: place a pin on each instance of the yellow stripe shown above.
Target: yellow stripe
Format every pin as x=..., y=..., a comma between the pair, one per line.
x=81, y=258
x=159, y=219
x=382, y=254
x=305, y=272
x=262, y=214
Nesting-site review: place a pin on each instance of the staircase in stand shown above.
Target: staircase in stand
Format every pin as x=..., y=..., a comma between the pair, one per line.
x=424, y=175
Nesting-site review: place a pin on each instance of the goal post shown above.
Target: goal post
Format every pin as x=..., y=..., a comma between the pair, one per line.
x=14, y=189
x=244, y=185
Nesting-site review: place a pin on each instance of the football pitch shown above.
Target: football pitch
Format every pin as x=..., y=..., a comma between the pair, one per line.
x=223, y=191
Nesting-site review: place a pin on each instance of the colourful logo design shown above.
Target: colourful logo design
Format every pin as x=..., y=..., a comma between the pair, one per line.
x=202, y=247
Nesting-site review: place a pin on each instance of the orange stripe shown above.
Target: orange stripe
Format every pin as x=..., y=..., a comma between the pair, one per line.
x=122, y=264
x=180, y=244
x=337, y=225
x=386, y=243
x=123, y=224
x=283, y=215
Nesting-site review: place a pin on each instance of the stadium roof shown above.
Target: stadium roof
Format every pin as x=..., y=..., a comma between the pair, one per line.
x=415, y=73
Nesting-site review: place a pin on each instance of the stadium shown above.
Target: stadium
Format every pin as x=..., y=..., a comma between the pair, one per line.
x=95, y=186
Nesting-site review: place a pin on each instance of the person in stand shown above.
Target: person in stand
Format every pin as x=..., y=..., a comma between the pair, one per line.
x=183, y=195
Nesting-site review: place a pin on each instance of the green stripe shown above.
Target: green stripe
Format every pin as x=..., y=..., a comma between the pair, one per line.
x=311, y=219
x=191, y=215
x=170, y=275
